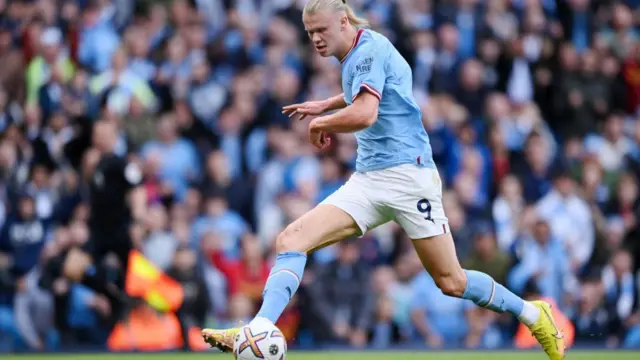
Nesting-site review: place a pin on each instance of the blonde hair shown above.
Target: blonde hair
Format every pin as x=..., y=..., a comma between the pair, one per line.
x=336, y=6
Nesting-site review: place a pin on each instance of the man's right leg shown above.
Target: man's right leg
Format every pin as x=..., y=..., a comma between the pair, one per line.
x=322, y=226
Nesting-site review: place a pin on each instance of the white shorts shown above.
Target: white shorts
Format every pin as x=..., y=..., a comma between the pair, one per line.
x=408, y=194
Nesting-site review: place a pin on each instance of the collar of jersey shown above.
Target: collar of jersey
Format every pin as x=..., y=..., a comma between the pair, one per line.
x=353, y=45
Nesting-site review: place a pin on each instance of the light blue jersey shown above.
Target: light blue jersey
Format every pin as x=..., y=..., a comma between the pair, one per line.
x=398, y=136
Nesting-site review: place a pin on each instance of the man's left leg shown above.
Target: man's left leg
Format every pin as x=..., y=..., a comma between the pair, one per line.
x=438, y=256
x=416, y=195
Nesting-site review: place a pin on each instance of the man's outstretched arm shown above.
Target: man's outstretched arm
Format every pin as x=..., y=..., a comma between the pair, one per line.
x=315, y=108
x=359, y=115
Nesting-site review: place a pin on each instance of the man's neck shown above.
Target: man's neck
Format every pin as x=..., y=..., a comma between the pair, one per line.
x=347, y=43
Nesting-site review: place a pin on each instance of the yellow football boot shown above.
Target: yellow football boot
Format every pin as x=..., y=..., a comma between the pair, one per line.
x=221, y=339
x=547, y=333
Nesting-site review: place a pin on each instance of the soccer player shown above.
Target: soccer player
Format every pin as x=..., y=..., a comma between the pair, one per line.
x=395, y=179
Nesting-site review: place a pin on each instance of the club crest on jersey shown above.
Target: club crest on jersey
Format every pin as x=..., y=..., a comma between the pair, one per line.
x=364, y=66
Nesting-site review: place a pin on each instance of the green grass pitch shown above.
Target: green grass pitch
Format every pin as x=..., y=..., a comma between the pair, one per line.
x=385, y=355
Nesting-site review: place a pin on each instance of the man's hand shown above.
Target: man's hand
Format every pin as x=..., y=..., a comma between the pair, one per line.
x=100, y=304
x=318, y=138
x=472, y=341
x=358, y=339
x=60, y=286
x=6, y=261
x=21, y=284
x=434, y=341
x=306, y=108
x=340, y=329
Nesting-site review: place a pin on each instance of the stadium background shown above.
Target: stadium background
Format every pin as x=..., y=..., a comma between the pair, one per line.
x=532, y=110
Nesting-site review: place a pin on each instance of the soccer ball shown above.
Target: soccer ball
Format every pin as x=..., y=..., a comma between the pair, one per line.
x=260, y=339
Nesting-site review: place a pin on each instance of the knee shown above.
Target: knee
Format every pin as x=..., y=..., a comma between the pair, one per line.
x=452, y=283
x=288, y=240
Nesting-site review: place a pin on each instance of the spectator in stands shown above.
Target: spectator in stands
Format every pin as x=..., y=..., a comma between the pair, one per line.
x=385, y=331
x=51, y=57
x=98, y=40
x=34, y=311
x=12, y=78
x=192, y=128
x=160, y=245
x=179, y=162
x=246, y=275
x=624, y=203
x=535, y=170
x=138, y=48
x=77, y=100
x=86, y=308
x=569, y=219
x=507, y=207
x=620, y=33
x=175, y=68
x=486, y=256
x=594, y=183
x=592, y=320
x=205, y=96
x=500, y=20
x=618, y=283
x=196, y=303
x=342, y=299
x=238, y=191
x=447, y=60
x=439, y=320
x=612, y=146
x=543, y=261
x=23, y=237
x=387, y=284
x=229, y=129
x=472, y=92
x=219, y=218
x=285, y=172
x=123, y=89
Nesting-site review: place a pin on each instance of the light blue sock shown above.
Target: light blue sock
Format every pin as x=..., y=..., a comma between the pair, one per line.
x=282, y=283
x=485, y=292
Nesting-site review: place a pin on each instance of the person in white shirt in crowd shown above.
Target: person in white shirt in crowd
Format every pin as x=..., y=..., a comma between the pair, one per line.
x=569, y=217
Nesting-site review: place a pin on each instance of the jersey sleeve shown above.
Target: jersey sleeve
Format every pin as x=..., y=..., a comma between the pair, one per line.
x=368, y=72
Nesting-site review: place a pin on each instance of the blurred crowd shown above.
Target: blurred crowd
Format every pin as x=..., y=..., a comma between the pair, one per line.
x=532, y=108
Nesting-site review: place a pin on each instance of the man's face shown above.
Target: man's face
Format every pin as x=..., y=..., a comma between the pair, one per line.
x=565, y=185
x=50, y=52
x=5, y=39
x=325, y=31
x=541, y=232
x=614, y=127
x=27, y=208
x=622, y=263
x=105, y=136
x=349, y=253
x=485, y=245
x=536, y=152
x=185, y=260
x=166, y=130
x=217, y=165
